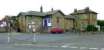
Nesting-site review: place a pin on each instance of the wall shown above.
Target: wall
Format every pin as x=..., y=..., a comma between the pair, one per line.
x=60, y=22
x=68, y=24
x=37, y=22
x=84, y=19
x=3, y=29
x=22, y=23
x=25, y=20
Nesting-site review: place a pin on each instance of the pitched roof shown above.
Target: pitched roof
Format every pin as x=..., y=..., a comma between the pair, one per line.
x=70, y=17
x=54, y=12
x=32, y=13
x=86, y=10
x=35, y=13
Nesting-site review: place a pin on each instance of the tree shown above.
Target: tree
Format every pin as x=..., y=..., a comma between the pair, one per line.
x=91, y=28
x=101, y=24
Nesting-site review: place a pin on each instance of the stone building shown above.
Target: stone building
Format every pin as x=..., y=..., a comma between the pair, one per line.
x=83, y=18
x=30, y=20
x=56, y=18
x=69, y=23
x=34, y=21
x=40, y=21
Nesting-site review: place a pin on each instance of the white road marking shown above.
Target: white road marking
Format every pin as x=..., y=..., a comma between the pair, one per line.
x=94, y=48
x=67, y=45
x=73, y=47
x=54, y=46
x=64, y=46
x=34, y=45
x=102, y=48
x=83, y=47
x=22, y=44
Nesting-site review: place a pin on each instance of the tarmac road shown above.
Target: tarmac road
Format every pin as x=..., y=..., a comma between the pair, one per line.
x=67, y=41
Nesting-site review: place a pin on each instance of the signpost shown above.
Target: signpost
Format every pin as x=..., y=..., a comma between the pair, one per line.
x=32, y=29
x=8, y=28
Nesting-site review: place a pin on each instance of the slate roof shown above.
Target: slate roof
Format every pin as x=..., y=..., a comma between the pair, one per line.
x=54, y=12
x=35, y=13
x=70, y=17
x=86, y=10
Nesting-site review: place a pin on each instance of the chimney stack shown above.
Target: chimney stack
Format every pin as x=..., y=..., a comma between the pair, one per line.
x=52, y=9
x=75, y=10
x=87, y=9
x=41, y=9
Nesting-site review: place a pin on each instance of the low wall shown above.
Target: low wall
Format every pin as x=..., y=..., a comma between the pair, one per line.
x=3, y=29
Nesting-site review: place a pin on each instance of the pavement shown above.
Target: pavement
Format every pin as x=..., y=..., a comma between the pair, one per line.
x=66, y=41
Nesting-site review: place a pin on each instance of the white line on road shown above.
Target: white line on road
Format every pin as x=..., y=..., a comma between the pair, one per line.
x=23, y=44
x=64, y=46
x=34, y=45
x=94, y=48
x=53, y=46
x=67, y=45
x=83, y=47
x=102, y=48
x=73, y=47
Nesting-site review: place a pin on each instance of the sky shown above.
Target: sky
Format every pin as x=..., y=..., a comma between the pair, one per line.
x=13, y=7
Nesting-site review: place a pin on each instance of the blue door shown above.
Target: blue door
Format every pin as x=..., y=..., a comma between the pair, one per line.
x=46, y=21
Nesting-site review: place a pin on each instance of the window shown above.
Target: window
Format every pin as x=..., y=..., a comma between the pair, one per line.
x=29, y=17
x=57, y=19
x=83, y=16
x=49, y=21
x=83, y=25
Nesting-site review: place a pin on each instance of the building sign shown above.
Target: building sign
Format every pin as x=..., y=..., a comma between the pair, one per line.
x=49, y=24
x=32, y=27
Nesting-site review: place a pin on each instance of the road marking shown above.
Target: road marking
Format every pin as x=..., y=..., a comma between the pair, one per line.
x=94, y=48
x=83, y=47
x=102, y=48
x=67, y=45
x=34, y=45
x=73, y=47
x=23, y=44
x=64, y=46
x=53, y=46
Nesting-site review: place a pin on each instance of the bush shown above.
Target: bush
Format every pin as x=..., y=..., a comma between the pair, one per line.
x=91, y=28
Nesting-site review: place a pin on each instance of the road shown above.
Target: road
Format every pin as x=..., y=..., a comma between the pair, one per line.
x=66, y=41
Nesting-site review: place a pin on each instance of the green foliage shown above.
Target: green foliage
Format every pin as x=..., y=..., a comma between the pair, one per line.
x=100, y=22
x=15, y=23
x=91, y=28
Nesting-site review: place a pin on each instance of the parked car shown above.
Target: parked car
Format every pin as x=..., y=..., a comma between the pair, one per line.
x=56, y=30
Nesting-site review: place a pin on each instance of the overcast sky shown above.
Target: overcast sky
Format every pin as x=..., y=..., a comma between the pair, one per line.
x=13, y=7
